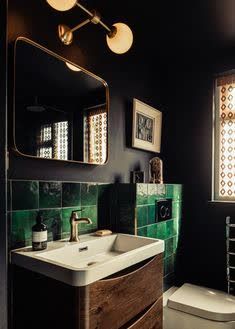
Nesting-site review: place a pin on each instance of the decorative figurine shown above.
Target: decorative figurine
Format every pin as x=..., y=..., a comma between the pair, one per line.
x=156, y=171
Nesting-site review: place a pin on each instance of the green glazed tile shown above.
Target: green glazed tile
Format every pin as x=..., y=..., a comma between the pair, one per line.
x=176, y=224
x=142, y=231
x=25, y=195
x=169, y=247
x=161, y=230
x=66, y=214
x=152, y=231
x=174, y=191
x=49, y=195
x=71, y=195
x=151, y=214
x=152, y=193
x=89, y=193
x=52, y=218
x=176, y=209
x=142, y=216
x=169, y=264
x=170, y=230
x=161, y=190
x=142, y=194
x=21, y=227
x=89, y=212
x=175, y=243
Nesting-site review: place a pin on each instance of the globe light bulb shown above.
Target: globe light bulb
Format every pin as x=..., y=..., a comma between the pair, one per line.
x=62, y=5
x=122, y=40
x=72, y=67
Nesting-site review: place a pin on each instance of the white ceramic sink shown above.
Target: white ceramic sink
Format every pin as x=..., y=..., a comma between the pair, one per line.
x=93, y=258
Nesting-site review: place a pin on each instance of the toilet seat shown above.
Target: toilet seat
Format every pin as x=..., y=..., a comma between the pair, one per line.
x=203, y=302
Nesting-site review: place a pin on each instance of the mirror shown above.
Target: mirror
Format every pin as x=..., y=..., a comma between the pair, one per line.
x=60, y=109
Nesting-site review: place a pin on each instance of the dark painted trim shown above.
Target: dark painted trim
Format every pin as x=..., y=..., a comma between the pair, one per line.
x=3, y=168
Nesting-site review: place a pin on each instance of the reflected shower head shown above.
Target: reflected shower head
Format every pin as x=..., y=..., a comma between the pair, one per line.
x=35, y=108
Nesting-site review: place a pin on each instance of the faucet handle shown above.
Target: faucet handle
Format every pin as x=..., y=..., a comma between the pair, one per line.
x=74, y=214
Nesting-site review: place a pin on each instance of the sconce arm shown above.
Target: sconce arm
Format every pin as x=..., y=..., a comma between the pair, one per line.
x=95, y=18
x=80, y=25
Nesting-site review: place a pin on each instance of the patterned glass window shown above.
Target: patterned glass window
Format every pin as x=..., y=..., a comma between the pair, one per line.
x=53, y=141
x=224, y=141
x=95, y=127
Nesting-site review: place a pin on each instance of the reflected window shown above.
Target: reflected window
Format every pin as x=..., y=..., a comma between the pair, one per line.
x=95, y=128
x=52, y=142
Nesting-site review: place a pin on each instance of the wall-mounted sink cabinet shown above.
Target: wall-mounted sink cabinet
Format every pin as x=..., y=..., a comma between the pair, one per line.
x=129, y=297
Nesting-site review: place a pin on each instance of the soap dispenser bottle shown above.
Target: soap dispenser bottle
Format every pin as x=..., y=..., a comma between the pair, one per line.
x=39, y=234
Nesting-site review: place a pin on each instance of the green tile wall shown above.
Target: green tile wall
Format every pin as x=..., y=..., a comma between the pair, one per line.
x=126, y=208
x=56, y=201
x=136, y=215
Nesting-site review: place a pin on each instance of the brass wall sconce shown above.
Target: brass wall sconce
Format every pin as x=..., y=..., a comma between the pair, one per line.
x=119, y=37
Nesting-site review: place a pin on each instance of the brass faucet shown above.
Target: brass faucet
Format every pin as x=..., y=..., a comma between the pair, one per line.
x=74, y=221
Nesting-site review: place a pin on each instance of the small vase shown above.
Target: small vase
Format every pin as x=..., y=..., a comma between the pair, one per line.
x=156, y=171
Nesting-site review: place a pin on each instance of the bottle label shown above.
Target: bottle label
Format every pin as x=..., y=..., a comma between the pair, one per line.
x=39, y=236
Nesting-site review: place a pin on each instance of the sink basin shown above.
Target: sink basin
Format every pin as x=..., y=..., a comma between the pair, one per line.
x=93, y=258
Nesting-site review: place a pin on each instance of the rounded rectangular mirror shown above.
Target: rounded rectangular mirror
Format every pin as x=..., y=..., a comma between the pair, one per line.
x=60, y=109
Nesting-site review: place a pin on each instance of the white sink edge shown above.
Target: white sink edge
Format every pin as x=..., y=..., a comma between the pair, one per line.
x=86, y=275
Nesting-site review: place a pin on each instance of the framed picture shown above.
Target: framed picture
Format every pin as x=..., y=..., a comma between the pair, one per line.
x=146, y=127
x=137, y=176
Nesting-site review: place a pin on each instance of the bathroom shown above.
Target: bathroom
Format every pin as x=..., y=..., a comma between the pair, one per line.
x=178, y=49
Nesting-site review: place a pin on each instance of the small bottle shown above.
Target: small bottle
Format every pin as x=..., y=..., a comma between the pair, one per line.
x=39, y=234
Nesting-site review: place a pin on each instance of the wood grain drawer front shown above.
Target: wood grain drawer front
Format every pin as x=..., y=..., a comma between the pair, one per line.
x=151, y=319
x=114, y=302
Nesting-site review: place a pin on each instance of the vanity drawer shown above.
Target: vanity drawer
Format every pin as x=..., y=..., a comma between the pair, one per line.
x=113, y=302
x=151, y=319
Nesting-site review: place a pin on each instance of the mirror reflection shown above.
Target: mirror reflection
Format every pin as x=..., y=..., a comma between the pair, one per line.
x=61, y=110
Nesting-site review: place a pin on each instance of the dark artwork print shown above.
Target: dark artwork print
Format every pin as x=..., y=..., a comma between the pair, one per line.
x=144, y=128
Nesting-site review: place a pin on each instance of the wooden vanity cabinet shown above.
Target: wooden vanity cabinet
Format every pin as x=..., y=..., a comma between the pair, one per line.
x=130, y=299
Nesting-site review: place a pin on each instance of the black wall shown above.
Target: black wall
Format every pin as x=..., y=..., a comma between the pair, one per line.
x=128, y=76
x=3, y=170
x=178, y=48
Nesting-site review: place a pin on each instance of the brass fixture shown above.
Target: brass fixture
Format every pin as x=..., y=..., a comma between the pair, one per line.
x=119, y=37
x=74, y=221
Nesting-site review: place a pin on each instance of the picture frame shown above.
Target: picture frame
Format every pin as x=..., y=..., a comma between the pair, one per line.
x=137, y=177
x=146, y=127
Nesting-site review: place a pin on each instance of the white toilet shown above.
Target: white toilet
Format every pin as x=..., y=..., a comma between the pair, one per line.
x=195, y=307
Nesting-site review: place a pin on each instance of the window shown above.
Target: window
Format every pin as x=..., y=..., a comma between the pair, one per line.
x=52, y=142
x=224, y=138
x=95, y=127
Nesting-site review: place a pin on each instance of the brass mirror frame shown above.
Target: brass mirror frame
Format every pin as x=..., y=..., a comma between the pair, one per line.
x=15, y=149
